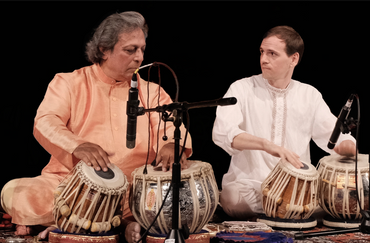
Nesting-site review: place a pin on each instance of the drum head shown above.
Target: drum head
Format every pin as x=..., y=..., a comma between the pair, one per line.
x=307, y=170
x=194, y=166
x=346, y=163
x=114, y=178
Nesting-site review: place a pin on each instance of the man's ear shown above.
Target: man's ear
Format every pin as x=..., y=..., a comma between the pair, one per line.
x=104, y=52
x=295, y=59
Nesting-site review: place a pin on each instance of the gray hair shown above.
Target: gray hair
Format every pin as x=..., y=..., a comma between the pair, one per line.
x=107, y=34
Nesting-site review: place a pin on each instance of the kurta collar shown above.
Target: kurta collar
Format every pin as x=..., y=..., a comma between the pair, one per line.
x=276, y=90
x=104, y=78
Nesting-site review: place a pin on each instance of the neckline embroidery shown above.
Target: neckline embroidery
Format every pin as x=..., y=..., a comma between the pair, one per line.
x=279, y=113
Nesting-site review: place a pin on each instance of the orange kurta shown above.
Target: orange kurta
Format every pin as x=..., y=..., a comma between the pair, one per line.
x=87, y=106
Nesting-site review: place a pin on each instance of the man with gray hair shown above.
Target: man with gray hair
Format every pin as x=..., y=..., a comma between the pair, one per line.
x=83, y=117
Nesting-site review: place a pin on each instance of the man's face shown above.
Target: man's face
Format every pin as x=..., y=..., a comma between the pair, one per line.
x=127, y=56
x=275, y=63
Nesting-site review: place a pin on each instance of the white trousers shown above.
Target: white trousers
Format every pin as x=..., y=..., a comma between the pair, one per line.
x=241, y=199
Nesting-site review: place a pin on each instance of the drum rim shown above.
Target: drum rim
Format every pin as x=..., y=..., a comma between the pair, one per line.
x=101, y=183
x=331, y=162
x=185, y=174
x=288, y=167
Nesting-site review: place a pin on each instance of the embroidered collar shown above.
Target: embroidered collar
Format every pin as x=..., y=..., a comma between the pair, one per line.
x=277, y=90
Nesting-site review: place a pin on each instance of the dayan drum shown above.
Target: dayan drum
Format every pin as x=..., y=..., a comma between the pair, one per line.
x=290, y=193
x=337, y=188
x=89, y=200
x=198, y=197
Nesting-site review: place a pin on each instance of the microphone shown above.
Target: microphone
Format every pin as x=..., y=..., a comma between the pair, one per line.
x=131, y=111
x=340, y=121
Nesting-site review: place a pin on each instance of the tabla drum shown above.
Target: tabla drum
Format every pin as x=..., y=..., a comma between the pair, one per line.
x=88, y=200
x=337, y=188
x=198, y=197
x=290, y=193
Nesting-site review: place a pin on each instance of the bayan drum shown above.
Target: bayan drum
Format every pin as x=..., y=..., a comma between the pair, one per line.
x=198, y=197
x=90, y=200
x=290, y=193
x=337, y=188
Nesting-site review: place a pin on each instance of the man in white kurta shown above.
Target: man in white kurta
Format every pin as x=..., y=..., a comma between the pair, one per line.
x=284, y=118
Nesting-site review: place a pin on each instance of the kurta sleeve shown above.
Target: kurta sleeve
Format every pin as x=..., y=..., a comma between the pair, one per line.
x=323, y=126
x=52, y=118
x=228, y=120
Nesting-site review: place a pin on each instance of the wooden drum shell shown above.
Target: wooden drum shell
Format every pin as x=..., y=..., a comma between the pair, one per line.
x=290, y=193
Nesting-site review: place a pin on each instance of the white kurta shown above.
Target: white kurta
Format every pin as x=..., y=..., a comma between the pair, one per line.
x=289, y=118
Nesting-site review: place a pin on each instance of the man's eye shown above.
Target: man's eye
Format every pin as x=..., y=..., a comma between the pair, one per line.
x=130, y=51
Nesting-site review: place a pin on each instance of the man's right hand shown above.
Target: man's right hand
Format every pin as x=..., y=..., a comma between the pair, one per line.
x=247, y=141
x=93, y=155
x=283, y=153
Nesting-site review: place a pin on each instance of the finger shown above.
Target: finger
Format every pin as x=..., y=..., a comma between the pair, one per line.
x=292, y=159
x=89, y=159
x=103, y=160
x=184, y=162
x=296, y=162
x=166, y=163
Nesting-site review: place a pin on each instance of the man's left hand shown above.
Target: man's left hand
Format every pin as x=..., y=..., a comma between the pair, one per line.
x=166, y=157
x=346, y=148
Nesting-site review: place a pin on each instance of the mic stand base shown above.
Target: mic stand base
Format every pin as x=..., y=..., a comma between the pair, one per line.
x=175, y=236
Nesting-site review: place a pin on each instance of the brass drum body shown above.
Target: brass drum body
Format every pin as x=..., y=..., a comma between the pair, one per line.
x=198, y=197
x=337, y=188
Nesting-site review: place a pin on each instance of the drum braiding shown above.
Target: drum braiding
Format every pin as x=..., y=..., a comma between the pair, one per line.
x=274, y=192
x=161, y=220
x=81, y=193
x=204, y=178
x=295, y=208
x=195, y=203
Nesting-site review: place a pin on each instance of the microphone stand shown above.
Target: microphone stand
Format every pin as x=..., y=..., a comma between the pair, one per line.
x=177, y=235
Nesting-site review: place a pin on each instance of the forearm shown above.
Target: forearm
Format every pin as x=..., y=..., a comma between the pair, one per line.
x=246, y=141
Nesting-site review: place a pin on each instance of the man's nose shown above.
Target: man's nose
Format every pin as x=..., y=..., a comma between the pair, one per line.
x=139, y=55
x=263, y=58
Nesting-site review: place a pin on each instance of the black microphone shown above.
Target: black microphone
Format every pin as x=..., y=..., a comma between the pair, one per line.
x=131, y=111
x=340, y=121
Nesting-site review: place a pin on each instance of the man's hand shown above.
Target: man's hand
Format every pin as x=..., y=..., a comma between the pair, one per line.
x=93, y=155
x=346, y=148
x=166, y=157
x=283, y=153
x=246, y=141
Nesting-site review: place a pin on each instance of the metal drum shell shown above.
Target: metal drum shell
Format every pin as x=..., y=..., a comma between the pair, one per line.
x=198, y=197
x=337, y=194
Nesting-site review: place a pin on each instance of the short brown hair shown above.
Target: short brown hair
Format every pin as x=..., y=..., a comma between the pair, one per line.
x=293, y=41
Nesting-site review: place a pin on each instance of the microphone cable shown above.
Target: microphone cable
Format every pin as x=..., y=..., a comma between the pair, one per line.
x=356, y=155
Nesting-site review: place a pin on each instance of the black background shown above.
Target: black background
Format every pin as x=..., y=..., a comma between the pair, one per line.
x=208, y=44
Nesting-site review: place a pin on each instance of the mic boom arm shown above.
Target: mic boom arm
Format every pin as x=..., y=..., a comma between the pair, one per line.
x=186, y=106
